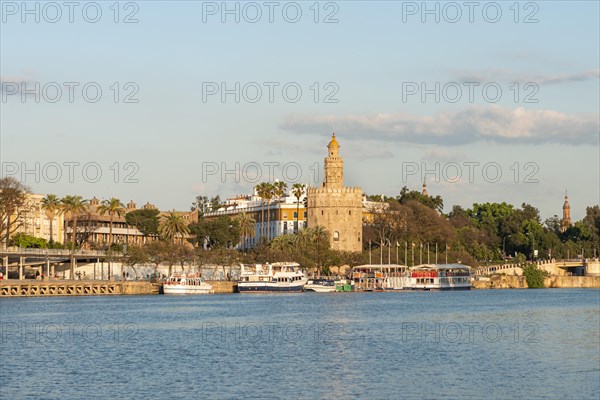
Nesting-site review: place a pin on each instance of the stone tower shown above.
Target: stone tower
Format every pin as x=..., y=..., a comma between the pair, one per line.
x=336, y=207
x=566, y=220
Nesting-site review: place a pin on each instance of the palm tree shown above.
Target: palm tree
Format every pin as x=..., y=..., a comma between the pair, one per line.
x=172, y=226
x=111, y=207
x=51, y=205
x=261, y=190
x=246, y=227
x=268, y=195
x=298, y=191
x=73, y=206
x=320, y=237
x=303, y=239
x=283, y=243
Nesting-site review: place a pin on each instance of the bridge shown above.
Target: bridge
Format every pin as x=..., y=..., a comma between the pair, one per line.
x=553, y=267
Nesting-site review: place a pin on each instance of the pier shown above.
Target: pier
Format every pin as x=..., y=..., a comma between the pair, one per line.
x=33, y=288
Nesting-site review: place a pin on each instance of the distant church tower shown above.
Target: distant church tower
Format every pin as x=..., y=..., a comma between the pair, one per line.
x=336, y=207
x=566, y=221
x=425, y=188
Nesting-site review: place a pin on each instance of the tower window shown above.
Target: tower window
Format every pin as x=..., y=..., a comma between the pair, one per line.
x=350, y=212
x=322, y=212
x=336, y=236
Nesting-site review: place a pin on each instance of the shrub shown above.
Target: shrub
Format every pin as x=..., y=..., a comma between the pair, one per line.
x=534, y=276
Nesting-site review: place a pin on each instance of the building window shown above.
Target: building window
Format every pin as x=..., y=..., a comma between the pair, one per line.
x=305, y=214
x=295, y=214
x=336, y=236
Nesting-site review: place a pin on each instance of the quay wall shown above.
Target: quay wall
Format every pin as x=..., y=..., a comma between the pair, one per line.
x=28, y=288
x=553, y=281
x=224, y=286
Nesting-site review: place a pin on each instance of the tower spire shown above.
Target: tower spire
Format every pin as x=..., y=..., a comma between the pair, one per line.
x=566, y=220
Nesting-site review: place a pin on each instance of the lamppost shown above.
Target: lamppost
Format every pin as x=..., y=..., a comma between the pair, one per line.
x=504, y=245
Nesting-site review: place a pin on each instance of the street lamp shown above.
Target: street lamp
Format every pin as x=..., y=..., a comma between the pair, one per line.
x=504, y=245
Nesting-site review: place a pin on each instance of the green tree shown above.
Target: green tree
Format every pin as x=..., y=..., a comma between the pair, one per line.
x=112, y=207
x=173, y=226
x=298, y=190
x=13, y=207
x=27, y=241
x=406, y=195
x=202, y=204
x=265, y=191
x=135, y=255
x=222, y=231
x=73, y=206
x=52, y=207
x=534, y=276
x=145, y=220
x=246, y=224
x=320, y=238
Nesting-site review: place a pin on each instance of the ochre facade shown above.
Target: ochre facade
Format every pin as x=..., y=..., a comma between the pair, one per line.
x=336, y=207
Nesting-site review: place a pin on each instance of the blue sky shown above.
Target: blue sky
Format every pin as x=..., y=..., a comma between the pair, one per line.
x=543, y=139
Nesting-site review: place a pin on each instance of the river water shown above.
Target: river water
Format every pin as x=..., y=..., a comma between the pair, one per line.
x=500, y=344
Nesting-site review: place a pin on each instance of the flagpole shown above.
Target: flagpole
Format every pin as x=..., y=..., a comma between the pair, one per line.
x=390, y=254
x=413, y=254
x=381, y=253
x=436, y=252
x=370, y=263
x=421, y=253
x=406, y=253
x=397, y=245
x=427, y=252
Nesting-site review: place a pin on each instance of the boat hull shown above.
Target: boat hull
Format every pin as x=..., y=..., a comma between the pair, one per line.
x=319, y=288
x=434, y=288
x=269, y=288
x=182, y=289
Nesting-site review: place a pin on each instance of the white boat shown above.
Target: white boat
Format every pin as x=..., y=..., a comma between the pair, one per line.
x=186, y=284
x=380, y=277
x=267, y=278
x=440, y=277
x=320, y=285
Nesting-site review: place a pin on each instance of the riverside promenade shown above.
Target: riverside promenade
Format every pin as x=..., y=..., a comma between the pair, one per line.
x=36, y=288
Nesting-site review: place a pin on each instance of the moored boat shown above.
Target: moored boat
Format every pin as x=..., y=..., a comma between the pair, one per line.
x=320, y=285
x=440, y=277
x=186, y=284
x=269, y=278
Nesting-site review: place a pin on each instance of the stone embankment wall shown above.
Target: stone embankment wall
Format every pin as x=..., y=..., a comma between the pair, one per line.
x=32, y=288
x=224, y=286
x=519, y=282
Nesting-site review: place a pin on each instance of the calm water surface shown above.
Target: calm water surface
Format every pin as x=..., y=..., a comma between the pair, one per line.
x=501, y=344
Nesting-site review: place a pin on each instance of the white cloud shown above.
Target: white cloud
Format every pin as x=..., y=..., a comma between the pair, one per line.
x=493, y=124
x=507, y=75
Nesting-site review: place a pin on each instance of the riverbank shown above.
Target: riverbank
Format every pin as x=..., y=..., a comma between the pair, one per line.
x=554, y=281
x=35, y=288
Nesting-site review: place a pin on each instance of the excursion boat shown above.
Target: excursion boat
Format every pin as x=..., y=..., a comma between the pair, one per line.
x=269, y=278
x=320, y=285
x=440, y=277
x=380, y=277
x=186, y=284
